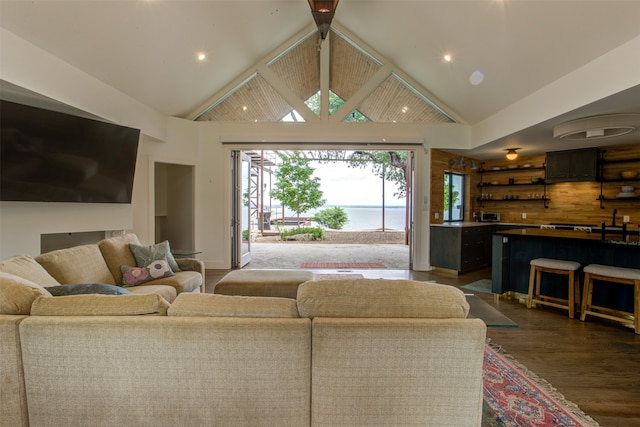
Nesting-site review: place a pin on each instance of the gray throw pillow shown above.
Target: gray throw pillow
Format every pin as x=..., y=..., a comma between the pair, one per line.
x=86, y=288
x=145, y=255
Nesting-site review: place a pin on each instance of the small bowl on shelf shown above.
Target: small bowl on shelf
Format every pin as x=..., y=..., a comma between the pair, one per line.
x=629, y=174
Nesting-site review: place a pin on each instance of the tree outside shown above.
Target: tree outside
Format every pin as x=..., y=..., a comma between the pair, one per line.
x=295, y=186
x=334, y=218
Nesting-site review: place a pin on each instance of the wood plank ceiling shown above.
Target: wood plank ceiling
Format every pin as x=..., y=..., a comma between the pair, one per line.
x=393, y=101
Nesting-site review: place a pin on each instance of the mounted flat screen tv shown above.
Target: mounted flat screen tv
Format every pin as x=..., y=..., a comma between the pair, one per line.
x=47, y=156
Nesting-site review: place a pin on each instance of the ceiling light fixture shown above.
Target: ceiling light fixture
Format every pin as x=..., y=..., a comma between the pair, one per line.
x=323, y=11
x=512, y=154
x=597, y=127
x=201, y=57
x=447, y=57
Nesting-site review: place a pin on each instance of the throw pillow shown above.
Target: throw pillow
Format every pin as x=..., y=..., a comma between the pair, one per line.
x=87, y=288
x=17, y=294
x=133, y=276
x=146, y=254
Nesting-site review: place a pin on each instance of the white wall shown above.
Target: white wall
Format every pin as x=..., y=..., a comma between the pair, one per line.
x=213, y=193
x=21, y=223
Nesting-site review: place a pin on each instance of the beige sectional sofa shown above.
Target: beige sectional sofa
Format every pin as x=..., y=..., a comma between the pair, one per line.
x=344, y=353
x=102, y=263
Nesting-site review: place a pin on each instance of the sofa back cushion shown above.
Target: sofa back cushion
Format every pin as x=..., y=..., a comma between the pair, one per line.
x=78, y=264
x=167, y=371
x=213, y=305
x=100, y=305
x=18, y=294
x=116, y=253
x=401, y=372
x=27, y=267
x=13, y=398
x=380, y=298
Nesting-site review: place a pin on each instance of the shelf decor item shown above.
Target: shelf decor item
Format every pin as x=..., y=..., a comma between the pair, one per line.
x=629, y=174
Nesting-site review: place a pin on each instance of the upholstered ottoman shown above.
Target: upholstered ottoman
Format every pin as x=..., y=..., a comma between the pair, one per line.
x=262, y=283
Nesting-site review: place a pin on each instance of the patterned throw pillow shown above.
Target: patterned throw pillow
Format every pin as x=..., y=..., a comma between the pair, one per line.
x=132, y=276
x=145, y=254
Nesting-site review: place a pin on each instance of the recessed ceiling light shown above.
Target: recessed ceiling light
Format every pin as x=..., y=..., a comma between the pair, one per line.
x=447, y=57
x=202, y=57
x=244, y=108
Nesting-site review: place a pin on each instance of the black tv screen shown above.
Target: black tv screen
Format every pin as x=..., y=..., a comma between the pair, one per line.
x=47, y=156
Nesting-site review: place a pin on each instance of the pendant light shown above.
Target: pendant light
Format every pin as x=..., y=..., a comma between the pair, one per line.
x=323, y=11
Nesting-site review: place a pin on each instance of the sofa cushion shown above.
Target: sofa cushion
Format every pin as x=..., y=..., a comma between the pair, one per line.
x=116, y=252
x=147, y=254
x=169, y=293
x=232, y=306
x=132, y=276
x=27, y=267
x=87, y=288
x=183, y=281
x=380, y=298
x=78, y=264
x=18, y=294
x=100, y=305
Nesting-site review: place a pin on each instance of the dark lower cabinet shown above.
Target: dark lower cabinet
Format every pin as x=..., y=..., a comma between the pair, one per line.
x=461, y=249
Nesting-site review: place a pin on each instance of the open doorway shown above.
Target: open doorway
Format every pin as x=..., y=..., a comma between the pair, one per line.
x=379, y=226
x=174, y=205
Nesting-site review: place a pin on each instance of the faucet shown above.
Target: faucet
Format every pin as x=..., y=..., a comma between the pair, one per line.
x=613, y=222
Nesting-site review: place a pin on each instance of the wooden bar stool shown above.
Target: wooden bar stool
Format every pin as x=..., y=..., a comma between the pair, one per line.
x=554, y=266
x=627, y=276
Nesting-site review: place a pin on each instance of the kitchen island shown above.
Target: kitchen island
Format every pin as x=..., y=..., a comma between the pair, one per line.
x=512, y=250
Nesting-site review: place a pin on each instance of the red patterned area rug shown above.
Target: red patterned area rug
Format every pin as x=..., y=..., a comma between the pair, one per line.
x=342, y=265
x=514, y=396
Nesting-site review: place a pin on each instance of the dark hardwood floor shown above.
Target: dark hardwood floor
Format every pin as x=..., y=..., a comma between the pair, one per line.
x=595, y=364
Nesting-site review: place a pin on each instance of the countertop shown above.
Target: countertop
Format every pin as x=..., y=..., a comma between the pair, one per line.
x=613, y=237
x=479, y=224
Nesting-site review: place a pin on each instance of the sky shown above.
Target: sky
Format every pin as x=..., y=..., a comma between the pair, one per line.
x=345, y=186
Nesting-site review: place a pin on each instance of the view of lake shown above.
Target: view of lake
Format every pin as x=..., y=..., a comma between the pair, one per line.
x=364, y=217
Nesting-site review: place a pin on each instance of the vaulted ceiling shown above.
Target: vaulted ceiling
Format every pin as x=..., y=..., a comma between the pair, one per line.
x=147, y=49
x=299, y=70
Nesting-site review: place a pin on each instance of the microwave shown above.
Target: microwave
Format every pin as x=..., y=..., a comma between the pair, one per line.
x=489, y=217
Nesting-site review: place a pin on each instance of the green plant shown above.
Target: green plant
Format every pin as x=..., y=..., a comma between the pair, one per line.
x=295, y=186
x=334, y=218
x=316, y=233
x=245, y=235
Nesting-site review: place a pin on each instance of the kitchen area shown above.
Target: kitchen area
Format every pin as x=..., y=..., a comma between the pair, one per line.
x=580, y=205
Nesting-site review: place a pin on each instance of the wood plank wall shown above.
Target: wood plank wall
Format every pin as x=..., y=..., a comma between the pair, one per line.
x=571, y=202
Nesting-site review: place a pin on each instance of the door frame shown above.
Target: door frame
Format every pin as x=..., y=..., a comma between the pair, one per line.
x=411, y=149
x=240, y=257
